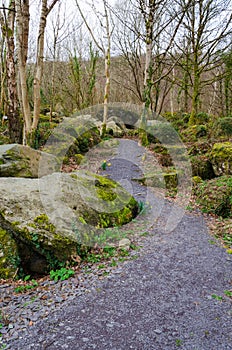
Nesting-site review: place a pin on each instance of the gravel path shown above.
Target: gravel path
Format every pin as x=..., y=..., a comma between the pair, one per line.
x=167, y=295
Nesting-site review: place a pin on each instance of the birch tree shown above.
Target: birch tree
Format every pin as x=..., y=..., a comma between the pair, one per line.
x=23, y=21
x=104, y=46
x=7, y=19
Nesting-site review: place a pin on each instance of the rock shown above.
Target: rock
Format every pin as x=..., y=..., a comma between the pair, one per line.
x=221, y=158
x=9, y=257
x=222, y=128
x=53, y=217
x=201, y=166
x=124, y=244
x=22, y=161
x=214, y=196
x=75, y=135
x=194, y=132
x=114, y=128
x=171, y=180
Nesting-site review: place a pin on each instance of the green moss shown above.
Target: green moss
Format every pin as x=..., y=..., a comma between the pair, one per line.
x=9, y=258
x=43, y=222
x=171, y=180
x=215, y=196
x=194, y=132
x=74, y=176
x=201, y=166
x=221, y=158
x=197, y=180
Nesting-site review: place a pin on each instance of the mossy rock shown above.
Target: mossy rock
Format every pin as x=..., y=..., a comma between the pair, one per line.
x=171, y=180
x=75, y=135
x=221, y=158
x=194, y=132
x=222, y=128
x=215, y=196
x=22, y=161
x=197, y=180
x=201, y=166
x=168, y=180
x=9, y=257
x=162, y=132
x=54, y=217
x=198, y=148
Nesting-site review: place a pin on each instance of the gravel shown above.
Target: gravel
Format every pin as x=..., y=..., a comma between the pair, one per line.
x=169, y=294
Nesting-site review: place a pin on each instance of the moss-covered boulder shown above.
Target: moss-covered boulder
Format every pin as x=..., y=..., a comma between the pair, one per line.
x=166, y=180
x=221, y=158
x=194, y=132
x=215, y=196
x=222, y=128
x=9, y=257
x=75, y=135
x=201, y=166
x=22, y=161
x=53, y=217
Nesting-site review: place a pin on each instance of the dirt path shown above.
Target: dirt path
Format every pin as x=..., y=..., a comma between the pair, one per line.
x=172, y=296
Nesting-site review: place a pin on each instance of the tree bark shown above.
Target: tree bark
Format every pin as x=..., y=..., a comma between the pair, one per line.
x=39, y=64
x=22, y=20
x=14, y=120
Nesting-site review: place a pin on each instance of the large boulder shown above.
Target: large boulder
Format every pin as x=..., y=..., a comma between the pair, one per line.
x=214, y=196
x=22, y=161
x=75, y=135
x=52, y=217
x=221, y=158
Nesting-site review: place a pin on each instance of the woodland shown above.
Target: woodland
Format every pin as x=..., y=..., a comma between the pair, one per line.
x=171, y=58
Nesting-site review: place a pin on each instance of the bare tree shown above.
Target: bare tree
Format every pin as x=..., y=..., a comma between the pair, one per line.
x=206, y=27
x=107, y=25
x=45, y=10
x=23, y=20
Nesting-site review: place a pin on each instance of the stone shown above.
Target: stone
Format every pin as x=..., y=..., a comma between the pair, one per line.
x=124, y=244
x=22, y=161
x=221, y=158
x=201, y=166
x=75, y=135
x=9, y=257
x=214, y=196
x=52, y=217
x=114, y=129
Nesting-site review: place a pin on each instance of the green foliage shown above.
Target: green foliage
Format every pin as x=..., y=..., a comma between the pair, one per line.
x=217, y=297
x=179, y=342
x=228, y=293
x=61, y=274
x=31, y=285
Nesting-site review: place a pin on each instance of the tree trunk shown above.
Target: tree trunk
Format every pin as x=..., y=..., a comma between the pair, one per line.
x=22, y=20
x=196, y=93
x=107, y=90
x=39, y=65
x=148, y=69
x=15, y=123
